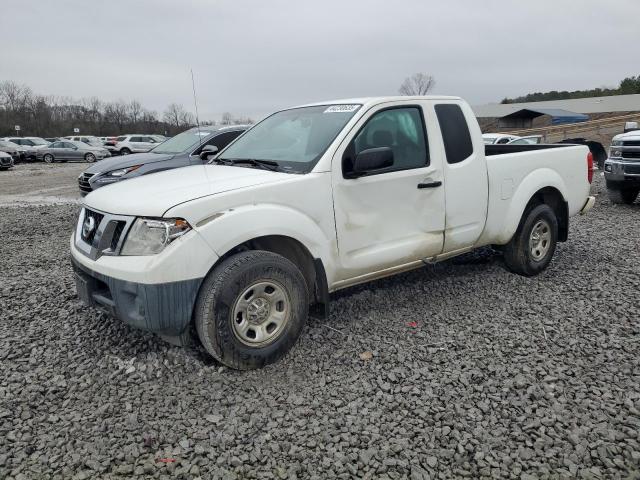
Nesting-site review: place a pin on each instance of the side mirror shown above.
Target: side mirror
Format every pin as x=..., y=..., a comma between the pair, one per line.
x=371, y=160
x=208, y=151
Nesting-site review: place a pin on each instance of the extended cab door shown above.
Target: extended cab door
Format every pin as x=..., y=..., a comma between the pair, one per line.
x=465, y=174
x=390, y=218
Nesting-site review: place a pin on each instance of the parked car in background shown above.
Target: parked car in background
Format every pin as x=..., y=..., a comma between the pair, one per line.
x=69, y=150
x=530, y=140
x=497, y=138
x=191, y=147
x=312, y=200
x=160, y=138
x=88, y=139
x=622, y=168
x=127, y=144
x=52, y=139
x=17, y=152
x=6, y=161
x=31, y=144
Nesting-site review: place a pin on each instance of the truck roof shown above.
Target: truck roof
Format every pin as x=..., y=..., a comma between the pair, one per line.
x=370, y=101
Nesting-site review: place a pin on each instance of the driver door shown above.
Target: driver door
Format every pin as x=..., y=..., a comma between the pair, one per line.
x=391, y=219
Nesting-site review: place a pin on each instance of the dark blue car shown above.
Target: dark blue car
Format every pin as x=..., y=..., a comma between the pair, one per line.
x=191, y=147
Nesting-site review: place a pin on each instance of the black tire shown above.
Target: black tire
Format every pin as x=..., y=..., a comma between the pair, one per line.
x=125, y=151
x=520, y=255
x=620, y=195
x=48, y=158
x=220, y=294
x=89, y=158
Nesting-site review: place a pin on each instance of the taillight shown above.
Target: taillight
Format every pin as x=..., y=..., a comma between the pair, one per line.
x=590, y=167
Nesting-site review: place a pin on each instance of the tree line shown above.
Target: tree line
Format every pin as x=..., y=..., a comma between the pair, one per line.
x=49, y=116
x=628, y=86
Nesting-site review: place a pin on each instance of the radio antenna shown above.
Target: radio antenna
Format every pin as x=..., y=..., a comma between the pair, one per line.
x=195, y=101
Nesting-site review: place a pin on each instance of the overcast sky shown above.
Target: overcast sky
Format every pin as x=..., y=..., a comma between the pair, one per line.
x=251, y=57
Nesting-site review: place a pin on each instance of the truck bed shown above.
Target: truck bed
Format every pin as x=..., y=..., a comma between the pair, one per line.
x=517, y=172
x=490, y=150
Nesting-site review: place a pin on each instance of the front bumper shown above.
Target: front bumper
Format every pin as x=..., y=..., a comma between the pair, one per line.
x=164, y=308
x=6, y=162
x=622, y=171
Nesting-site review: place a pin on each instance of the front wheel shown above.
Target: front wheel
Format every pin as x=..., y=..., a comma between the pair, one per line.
x=89, y=158
x=531, y=248
x=125, y=151
x=48, y=158
x=251, y=309
x=619, y=195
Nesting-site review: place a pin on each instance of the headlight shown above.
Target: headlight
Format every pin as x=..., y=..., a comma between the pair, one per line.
x=150, y=236
x=614, y=153
x=616, y=143
x=114, y=175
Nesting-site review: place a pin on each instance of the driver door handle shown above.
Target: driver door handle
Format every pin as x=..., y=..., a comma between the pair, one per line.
x=429, y=184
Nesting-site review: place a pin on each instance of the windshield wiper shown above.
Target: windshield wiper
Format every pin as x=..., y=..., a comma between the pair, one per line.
x=264, y=164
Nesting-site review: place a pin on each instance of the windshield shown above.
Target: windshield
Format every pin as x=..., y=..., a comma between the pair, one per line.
x=295, y=139
x=38, y=141
x=184, y=141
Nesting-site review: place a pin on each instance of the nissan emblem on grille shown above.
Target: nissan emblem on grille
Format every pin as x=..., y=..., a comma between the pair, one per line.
x=88, y=226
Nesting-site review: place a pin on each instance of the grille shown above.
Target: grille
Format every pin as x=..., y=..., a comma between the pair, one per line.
x=631, y=154
x=117, y=233
x=631, y=143
x=83, y=182
x=5, y=160
x=633, y=169
x=97, y=218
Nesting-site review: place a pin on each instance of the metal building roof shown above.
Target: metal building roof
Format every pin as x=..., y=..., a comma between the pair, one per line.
x=614, y=103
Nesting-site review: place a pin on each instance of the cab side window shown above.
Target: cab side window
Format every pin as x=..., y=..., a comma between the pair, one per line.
x=400, y=129
x=223, y=139
x=455, y=132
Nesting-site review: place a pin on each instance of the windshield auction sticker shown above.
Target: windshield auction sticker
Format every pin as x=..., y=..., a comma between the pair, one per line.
x=341, y=108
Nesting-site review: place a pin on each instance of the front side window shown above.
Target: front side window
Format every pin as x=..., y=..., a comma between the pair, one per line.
x=121, y=139
x=400, y=129
x=57, y=145
x=294, y=139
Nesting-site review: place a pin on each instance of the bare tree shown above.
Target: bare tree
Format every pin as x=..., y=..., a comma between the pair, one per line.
x=135, y=111
x=227, y=119
x=173, y=114
x=417, y=84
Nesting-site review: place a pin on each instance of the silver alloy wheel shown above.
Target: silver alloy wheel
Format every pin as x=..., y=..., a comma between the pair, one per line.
x=90, y=157
x=48, y=158
x=540, y=240
x=261, y=313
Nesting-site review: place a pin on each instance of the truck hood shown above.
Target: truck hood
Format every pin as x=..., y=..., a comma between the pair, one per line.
x=152, y=195
x=633, y=135
x=115, y=163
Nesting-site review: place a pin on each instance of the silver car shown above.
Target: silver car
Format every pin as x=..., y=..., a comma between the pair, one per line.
x=17, y=152
x=68, y=150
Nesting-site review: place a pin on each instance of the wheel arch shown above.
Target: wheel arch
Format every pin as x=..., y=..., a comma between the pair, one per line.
x=543, y=186
x=312, y=268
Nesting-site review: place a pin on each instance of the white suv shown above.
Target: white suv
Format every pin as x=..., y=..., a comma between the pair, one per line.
x=127, y=144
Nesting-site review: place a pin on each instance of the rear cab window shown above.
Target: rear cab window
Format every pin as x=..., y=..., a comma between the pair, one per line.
x=455, y=132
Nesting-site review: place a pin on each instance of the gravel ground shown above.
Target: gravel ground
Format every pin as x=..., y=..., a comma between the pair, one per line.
x=474, y=372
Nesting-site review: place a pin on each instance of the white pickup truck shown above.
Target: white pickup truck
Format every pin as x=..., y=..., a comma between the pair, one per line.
x=311, y=200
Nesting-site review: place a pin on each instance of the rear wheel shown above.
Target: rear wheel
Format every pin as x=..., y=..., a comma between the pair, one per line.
x=251, y=309
x=532, y=247
x=623, y=195
x=89, y=158
x=48, y=158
